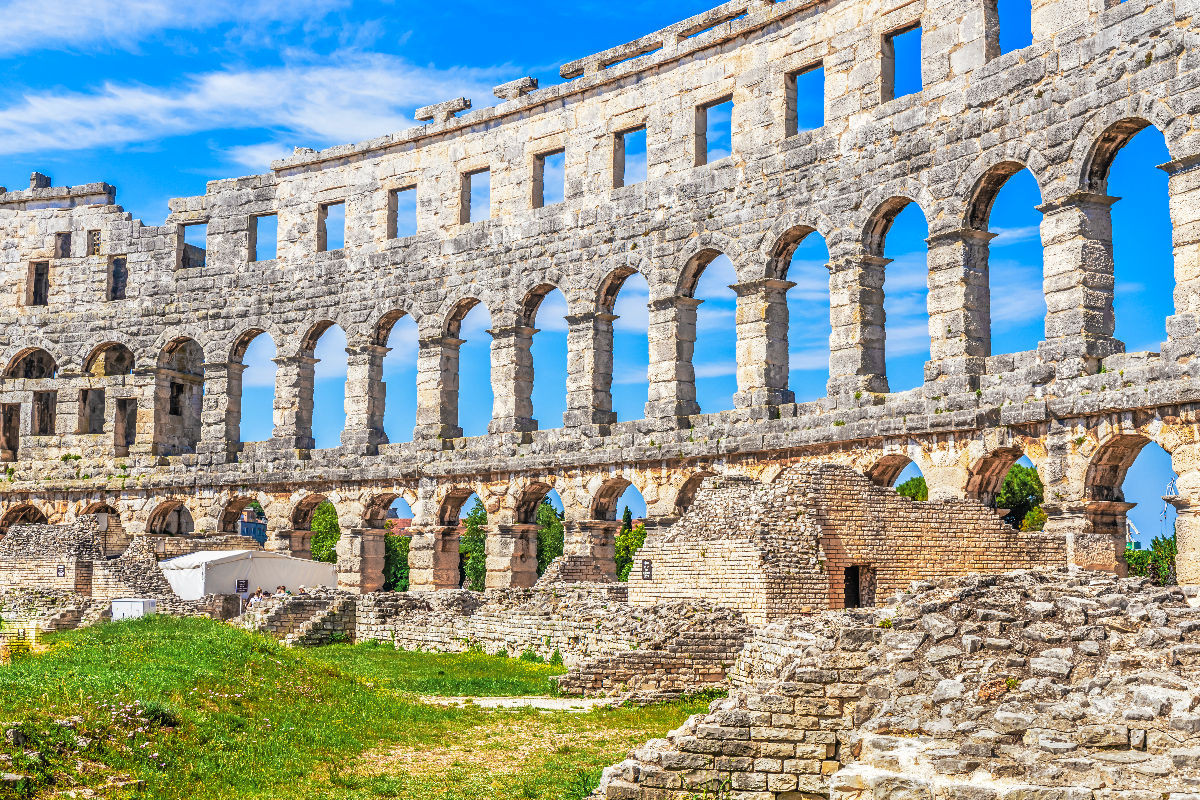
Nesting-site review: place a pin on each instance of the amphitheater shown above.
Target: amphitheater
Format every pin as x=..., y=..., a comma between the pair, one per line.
x=122, y=352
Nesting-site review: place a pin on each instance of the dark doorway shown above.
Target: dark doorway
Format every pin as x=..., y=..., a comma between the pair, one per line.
x=10, y=431
x=853, y=599
x=125, y=425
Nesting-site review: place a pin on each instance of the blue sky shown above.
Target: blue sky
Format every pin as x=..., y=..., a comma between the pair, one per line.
x=158, y=97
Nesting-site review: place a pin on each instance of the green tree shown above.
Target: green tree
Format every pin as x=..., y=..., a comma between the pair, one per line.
x=395, y=562
x=627, y=520
x=1157, y=563
x=472, y=545
x=628, y=543
x=325, y=533
x=914, y=489
x=1021, y=494
x=549, y=535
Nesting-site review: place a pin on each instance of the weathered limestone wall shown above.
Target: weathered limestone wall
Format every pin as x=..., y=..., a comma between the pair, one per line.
x=784, y=549
x=1002, y=687
x=132, y=400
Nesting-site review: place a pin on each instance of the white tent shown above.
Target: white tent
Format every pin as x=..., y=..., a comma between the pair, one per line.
x=240, y=572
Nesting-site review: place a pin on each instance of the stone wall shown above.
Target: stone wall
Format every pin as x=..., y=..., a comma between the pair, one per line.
x=784, y=549
x=166, y=388
x=1029, y=684
x=50, y=557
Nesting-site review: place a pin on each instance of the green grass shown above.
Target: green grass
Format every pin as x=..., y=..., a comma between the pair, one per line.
x=256, y=720
x=470, y=674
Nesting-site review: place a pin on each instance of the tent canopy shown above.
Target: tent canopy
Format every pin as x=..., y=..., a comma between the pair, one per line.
x=241, y=572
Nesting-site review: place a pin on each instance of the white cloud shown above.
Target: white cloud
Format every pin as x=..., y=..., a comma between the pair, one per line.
x=630, y=375
x=84, y=24
x=633, y=315
x=716, y=369
x=808, y=360
x=1011, y=236
x=551, y=314
x=343, y=99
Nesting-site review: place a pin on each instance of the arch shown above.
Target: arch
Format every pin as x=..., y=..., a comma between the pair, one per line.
x=1104, y=149
x=528, y=500
x=880, y=222
x=109, y=359
x=323, y=406
x=32, y=363
x=100, y=507
x=375, y=514
x=237, y=352
x=887, y=469
x=610, y=287
x=533, y=301
x=988, y=168
x=604, y=502
x=451, y=504
x=985, y=191
x=171, y=518
x=687, y=492
x=693, y=268
x=785, y=245
x=986, y=476
x=544, y=313
x=257, y=383
x=178, y=397
x=227, y=523
x=458, y=312
x=24, y=514
x=183, y=355
x=381, y=331
x=1110, y=463
x=308, y=342
x=302, y=513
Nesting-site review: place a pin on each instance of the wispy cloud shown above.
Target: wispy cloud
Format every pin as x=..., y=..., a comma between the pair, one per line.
x=347, y=98
x=1020, y=235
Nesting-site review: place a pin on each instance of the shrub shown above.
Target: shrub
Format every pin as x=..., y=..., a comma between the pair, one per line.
x=628, y=543
x=325, y=533
x=556, y=659
x=473, y=544
x=395, y=562
x=914, y=489
x=1157, y=563
x=532, y=657
x=550, y=537
x=160, y=715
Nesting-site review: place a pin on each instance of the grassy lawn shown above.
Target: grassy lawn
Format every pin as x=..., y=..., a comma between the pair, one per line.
x=197, y=709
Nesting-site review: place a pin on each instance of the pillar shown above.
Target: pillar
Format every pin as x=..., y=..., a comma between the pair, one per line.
x=360, y=553
x=300, y=544
x=365, y=399
x=589, y=550
x=589, y=370
x=1077, y=240
x=512, y=380
x=1093, y=532
x=1183, y=189
x=433, y=558
x=960, y=324
x=1185, y=460
x=672, y=378
x=221, y=416
x=511, y=556
x=856, y=356
x=437, y=388
x=762, y=343
x=294, y=378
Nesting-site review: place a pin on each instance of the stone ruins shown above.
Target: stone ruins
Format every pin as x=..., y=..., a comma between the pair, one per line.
x=122, y=345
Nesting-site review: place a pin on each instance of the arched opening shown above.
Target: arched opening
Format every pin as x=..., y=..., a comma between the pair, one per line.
x=1127, y=479
x=620, y=499
x=803, y=259
x=32, y=364
x=397, y=520
x=327, y=344
x=626, y=295
x=470, y=322
x=687, y=492
x=545, y=310
x=901, y=473
x=398, y=332
x=171, y=519
x=464, y=507
x=898, y=232
x=708, y=279
x=1151, y=521
x=541, y=506
x=255, y=399
x=1142, y=236
x=1005, y=206
x=109, y=360
x=244, y=516
x=21, y=515
x=1020, y=495
x=113, y=539
x=179, y=397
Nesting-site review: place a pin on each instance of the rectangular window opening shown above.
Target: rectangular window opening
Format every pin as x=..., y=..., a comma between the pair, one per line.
x=91, y=411
x=62, y=245
x=714, y=131
x=629, y=157
x=1014, y=22
x=806, y=99
x=549, y=178
x=44, y=405
x=402, y=212
x=93, y=243
x=10, y=431
x=125, y=425
x=175, y=408
x=331, y=226
x=194, y=246
x=118, y=278
x=902, y=62
x=39, y=283
x=264, y=237
x=476, y=196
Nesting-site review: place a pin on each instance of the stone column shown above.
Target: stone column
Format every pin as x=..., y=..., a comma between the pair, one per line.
x=1069, y=521
x=1184, y=192
x=221, y=417
x=511, y=556
x=762, y=343
x=433, y=558
x=512, y=380
x=294, y=378
x=364, y=399
x=672, y=378
x=360, y=553
x=590, y=550
x=1185, y=460
x=300, y=544
x=960, y=323
x=856, y=356
x=437, y=388
x=589, y=370
x=1077, y=240
x=1102, y=545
